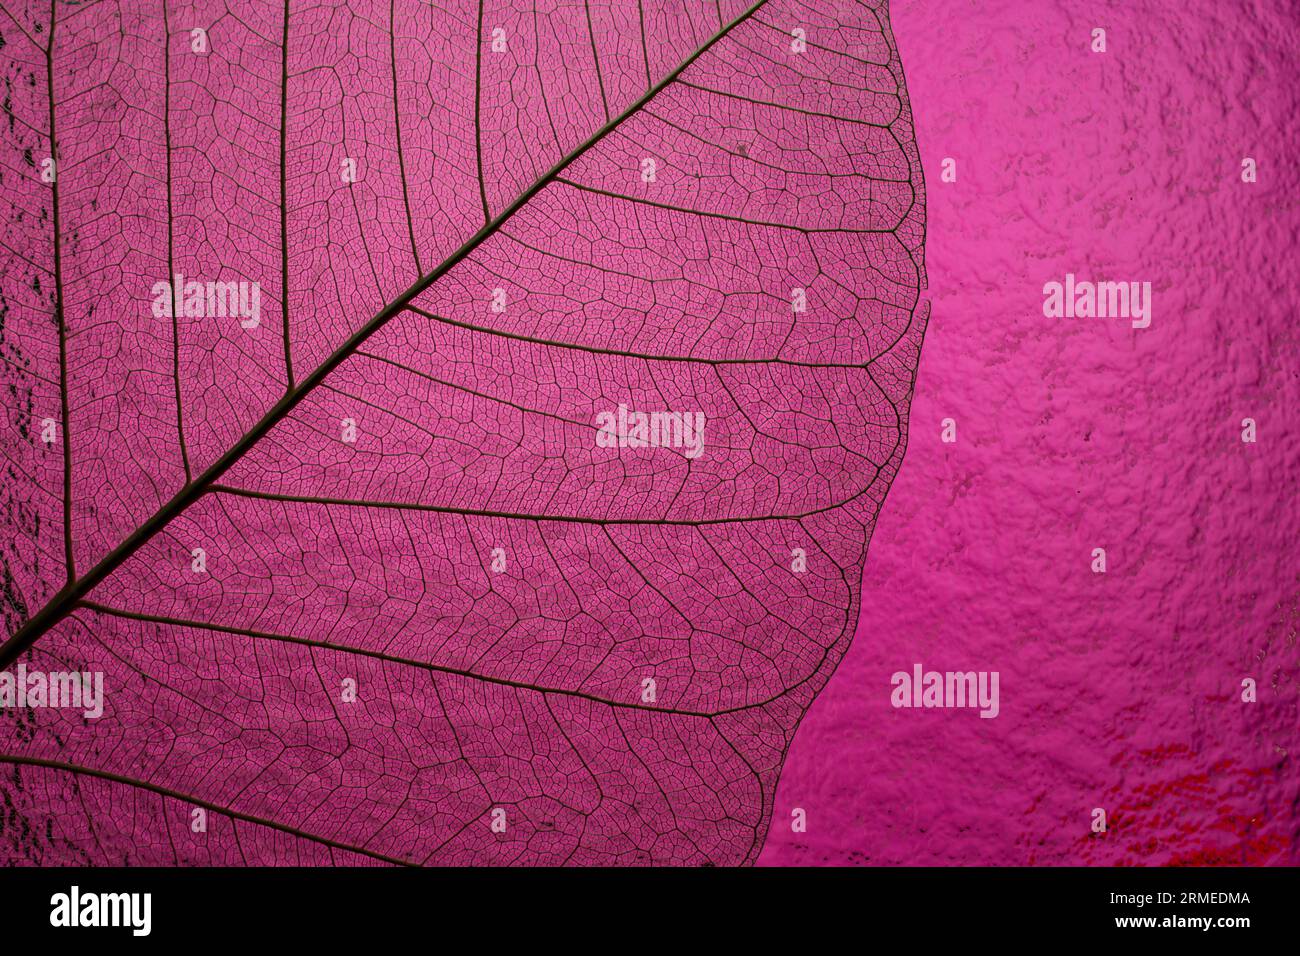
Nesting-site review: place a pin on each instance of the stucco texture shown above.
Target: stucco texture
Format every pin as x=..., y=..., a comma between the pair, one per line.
x=1119, y=690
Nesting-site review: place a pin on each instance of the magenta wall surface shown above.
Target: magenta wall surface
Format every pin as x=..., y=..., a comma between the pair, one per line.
x=1123, y=690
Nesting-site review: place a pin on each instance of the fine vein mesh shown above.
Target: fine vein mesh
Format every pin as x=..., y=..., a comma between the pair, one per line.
x=496, y=585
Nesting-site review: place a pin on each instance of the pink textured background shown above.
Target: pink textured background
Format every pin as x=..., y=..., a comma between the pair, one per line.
x=1119, y=690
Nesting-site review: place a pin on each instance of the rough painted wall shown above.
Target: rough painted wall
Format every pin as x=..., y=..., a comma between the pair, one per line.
x=1119, y=690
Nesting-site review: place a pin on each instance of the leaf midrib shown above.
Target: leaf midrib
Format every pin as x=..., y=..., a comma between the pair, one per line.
x=74, y=591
